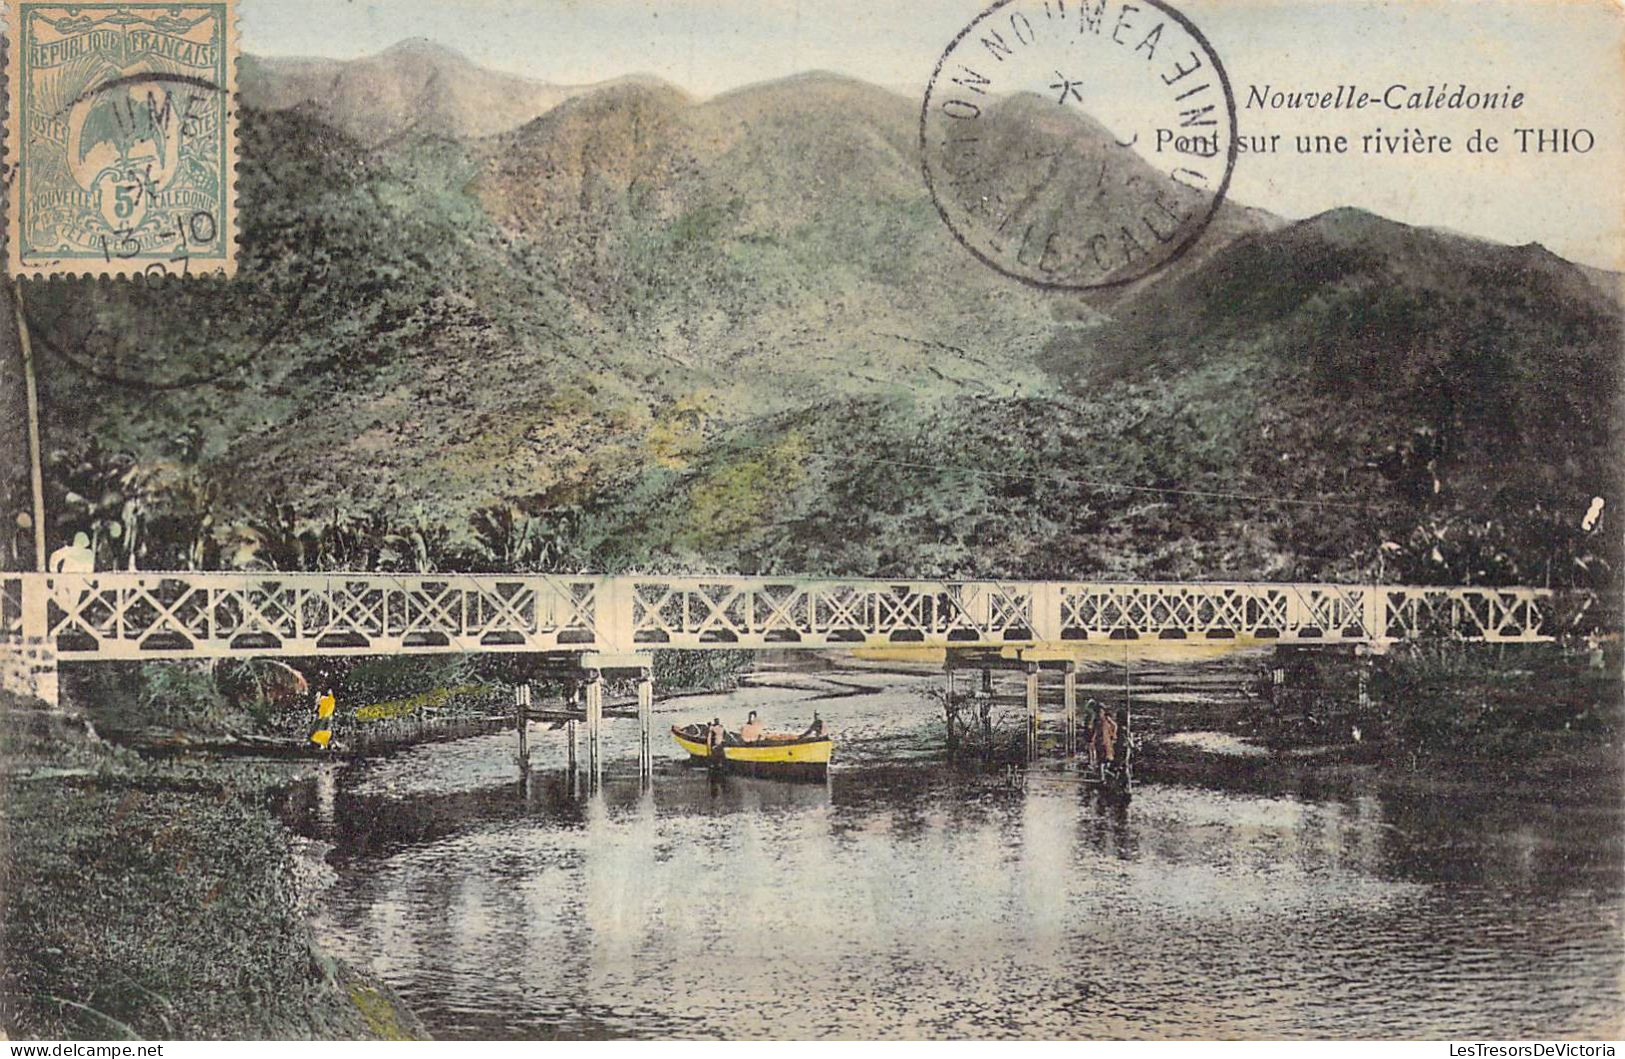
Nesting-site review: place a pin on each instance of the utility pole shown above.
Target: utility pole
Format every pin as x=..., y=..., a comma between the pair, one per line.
x=35, y=470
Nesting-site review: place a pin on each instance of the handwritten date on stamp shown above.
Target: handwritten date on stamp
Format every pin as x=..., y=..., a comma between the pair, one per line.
x=121, y=138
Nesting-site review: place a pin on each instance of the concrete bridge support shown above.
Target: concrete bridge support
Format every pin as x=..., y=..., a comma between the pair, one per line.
x=595, y=724
x=1032, y=711
x=521, y=709
x=1308, y=679
x=1069, y=702
x=595, y=668
x=646, y=699
x=1032, y=666
x=30, y=669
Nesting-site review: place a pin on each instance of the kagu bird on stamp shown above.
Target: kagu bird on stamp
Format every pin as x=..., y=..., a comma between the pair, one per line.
x=121, y=138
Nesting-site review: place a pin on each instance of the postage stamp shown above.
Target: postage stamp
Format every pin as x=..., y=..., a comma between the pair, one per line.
x=121, y=138
x=1077, y=145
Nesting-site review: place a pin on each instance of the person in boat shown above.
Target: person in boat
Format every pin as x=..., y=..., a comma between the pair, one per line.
x=816, y=729
x=715, y=735
x=1103, y=738
x=752, y=732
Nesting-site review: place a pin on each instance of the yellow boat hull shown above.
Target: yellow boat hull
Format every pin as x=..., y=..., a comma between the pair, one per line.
x=789, y=756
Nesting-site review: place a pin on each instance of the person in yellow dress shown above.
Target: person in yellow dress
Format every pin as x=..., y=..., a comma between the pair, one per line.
x=326, y=703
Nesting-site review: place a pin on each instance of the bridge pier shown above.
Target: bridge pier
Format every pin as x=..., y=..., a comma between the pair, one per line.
x=595, y=725
x=646, y=699
x=1032, y=711
x=1032, y=665
x=594, y=667
x=521, y=709
x=1069, y=700
x=28, y=667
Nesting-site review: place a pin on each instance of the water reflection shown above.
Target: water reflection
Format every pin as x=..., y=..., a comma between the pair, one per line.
x=906, y=899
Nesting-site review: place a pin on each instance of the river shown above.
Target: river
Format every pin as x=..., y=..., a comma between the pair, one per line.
x=903, y=898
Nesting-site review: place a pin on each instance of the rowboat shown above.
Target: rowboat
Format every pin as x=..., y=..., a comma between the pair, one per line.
x=775, y=755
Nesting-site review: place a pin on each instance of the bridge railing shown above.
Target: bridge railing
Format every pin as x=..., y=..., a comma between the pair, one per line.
x=1325, y=612
x=185, y=614
x=145, y=615
x=702, y=611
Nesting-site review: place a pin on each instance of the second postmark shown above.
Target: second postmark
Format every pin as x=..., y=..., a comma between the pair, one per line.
x=1078, y=145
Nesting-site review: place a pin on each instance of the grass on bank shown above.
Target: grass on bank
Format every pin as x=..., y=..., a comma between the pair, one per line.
x=156, y=900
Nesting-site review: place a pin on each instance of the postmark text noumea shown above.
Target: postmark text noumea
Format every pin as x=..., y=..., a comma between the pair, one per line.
x=1077, y=145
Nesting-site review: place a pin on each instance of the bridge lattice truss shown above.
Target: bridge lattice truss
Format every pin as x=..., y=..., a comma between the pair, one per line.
x=169, y=615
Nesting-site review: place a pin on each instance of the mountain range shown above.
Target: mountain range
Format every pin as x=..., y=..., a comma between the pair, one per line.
x=415, y=88
x=734, y=333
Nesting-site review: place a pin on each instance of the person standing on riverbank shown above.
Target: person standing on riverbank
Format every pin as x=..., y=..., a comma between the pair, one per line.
x=326, y=704
x=1102, y=738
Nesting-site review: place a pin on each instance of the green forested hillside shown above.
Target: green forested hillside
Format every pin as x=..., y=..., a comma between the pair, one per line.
x=644, y=332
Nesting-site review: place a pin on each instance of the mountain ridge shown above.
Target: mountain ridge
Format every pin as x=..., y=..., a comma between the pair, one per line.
x=734, y=333
x=414, y=85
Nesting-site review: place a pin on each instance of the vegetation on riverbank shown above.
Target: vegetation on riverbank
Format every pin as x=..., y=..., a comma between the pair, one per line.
x=162, y=899
x=151, y=899
x=680, y=671
x=1445, y=704
x=1498, y=701
x=205, y=700
x=1426, y=706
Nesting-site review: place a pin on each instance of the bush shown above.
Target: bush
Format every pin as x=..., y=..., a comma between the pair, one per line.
x=1494, y=700
x=689, y=670
x=130, y=696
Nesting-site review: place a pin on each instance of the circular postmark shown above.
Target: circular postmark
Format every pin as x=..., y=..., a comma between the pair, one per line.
x=145, y=161
x=1078, y=144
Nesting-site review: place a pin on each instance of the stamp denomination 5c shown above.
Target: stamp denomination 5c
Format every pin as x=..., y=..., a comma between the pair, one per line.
x=121, y=138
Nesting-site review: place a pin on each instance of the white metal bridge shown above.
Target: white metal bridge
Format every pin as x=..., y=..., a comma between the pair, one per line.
x=86, y=617
x=611, y=624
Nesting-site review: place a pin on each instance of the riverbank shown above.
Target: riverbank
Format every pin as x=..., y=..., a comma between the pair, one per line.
x=160, y=899
x=1521, y=719
x=1518, y=722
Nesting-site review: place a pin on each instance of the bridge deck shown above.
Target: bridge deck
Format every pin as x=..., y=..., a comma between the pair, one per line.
x=190, y=615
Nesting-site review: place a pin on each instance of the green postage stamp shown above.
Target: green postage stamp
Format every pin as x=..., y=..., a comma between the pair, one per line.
x=121, y=138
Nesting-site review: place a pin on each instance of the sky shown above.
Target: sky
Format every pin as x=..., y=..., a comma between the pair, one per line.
x=1566, y=56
